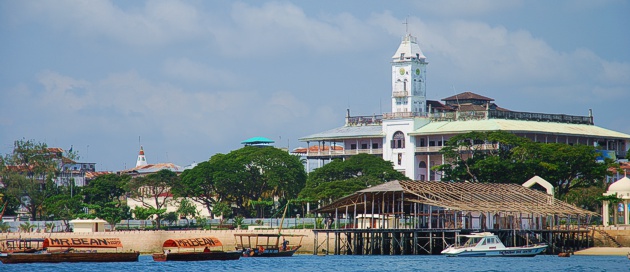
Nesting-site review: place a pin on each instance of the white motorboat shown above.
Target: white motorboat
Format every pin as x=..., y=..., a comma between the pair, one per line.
x=486, y=244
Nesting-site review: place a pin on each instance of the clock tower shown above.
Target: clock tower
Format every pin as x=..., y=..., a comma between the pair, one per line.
x=408, y=78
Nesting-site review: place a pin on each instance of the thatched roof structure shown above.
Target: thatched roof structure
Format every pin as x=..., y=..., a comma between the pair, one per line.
x=458, y=196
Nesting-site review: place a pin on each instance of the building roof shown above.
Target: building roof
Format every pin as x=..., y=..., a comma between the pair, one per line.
x=460, y=127
x=153, y=168
x=347, y=132
x=621, y=188
x=409, y=49
x=467, y=96
x=257, y=140
x=460, y=196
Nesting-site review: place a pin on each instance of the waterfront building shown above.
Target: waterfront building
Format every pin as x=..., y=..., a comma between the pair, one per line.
x=412, y=134
x=143, y=168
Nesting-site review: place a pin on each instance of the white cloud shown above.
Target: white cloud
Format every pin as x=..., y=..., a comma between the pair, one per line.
x=277, y=28
x=457, y=8
x=189, y=70
x=156, y=23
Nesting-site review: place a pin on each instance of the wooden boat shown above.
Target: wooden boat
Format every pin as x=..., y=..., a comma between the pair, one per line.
x=21, y=245
x=486, y=244
x=267, y=244
x=194, y=249
x=57, y=250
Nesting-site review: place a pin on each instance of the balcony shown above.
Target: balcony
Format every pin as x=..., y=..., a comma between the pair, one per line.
x=400, y=94
x=340, y=153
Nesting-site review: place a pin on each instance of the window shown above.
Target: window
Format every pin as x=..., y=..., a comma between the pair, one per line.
x=353, y=146
x=422, y=165
x=431, y=143
x=364, y=146
x=374, y=145
x=398, y=140
x=439, y=143
x=422, y=144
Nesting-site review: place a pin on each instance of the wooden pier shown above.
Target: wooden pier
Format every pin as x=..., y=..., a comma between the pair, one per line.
x=433, y=241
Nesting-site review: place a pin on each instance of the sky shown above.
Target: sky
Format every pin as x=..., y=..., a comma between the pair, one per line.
x=190, y=79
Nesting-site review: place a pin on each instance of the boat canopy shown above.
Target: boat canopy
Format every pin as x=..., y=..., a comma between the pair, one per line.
x=193, y=242
x=83, y=242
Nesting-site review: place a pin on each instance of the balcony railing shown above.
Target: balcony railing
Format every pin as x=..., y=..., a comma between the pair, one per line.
x=400, y=94
x=364, y=120
x=493, y=114
x=349, y=152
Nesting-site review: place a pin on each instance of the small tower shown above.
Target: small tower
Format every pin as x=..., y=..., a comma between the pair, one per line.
x=408, y=77
x=142, y=161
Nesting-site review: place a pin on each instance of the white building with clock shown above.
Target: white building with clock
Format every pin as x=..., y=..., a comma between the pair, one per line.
x=411, y=135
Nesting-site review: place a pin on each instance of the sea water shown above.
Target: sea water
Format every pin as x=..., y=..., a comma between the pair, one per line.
x=342, y=263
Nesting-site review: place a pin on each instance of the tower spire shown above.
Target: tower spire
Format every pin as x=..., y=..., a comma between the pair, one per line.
x=142, y=161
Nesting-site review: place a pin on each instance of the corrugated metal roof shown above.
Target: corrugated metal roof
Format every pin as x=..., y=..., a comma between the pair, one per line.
x=347, y=132
x=459, y=127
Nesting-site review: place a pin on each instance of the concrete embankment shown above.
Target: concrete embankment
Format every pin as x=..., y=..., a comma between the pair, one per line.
x=151, y=241
x=607, y=251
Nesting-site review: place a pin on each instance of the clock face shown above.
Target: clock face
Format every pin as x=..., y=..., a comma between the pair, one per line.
x=402, y=71
x=417, y=71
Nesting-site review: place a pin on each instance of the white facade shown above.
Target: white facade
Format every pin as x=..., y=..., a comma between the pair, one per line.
x=413, y=133
x=408, y=77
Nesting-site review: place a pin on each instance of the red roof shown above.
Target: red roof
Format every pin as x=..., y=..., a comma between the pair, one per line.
x=467, y=96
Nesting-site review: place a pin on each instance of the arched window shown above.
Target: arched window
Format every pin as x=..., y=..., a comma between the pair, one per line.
x=422, y=165
x=398, y=141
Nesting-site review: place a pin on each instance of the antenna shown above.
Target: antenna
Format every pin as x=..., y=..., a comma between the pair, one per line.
x=139, y=141
x=456, y=96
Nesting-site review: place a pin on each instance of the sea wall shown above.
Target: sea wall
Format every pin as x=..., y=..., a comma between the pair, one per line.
x=602, y=236
x=151, y=241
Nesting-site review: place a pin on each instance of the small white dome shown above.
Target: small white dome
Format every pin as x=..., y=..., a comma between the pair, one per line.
x=621, y=187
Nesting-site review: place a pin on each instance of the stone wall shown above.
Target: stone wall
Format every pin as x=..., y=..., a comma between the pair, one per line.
x=621, y=234
x=151, y=241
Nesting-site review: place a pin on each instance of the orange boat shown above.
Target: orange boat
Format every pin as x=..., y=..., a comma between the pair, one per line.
x=194, y=249
x=57, y=250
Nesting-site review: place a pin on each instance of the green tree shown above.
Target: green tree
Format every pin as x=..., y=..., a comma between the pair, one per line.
x=28, y=173
x=105, y=197
x=199, y=185
x=502, y=157
x=153, y=190
x=342, y=177
x=224, y=210
x=186, y=209
x=249, y=173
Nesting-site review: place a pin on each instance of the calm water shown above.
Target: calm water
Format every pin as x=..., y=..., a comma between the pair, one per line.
x=350, y=263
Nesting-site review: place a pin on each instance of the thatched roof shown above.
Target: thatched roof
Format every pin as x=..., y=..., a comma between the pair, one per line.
x=459, y=196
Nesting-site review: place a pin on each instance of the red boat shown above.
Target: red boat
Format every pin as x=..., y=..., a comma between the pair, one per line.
x=194, y=249
x=57, y=250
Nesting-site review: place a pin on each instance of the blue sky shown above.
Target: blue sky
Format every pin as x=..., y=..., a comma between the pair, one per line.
x=195, y=78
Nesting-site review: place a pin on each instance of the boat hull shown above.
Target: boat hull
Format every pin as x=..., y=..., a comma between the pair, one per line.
x=71, y=257
x=197, y=256
x=504, y=252
x=269, y=253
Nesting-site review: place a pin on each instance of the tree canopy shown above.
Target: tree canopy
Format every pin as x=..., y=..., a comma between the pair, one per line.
x=243, y=175
x=27, y=174
x=342, y=177
x=502, y=157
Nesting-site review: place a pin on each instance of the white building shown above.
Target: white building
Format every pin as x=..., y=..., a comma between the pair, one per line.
x=412, y=134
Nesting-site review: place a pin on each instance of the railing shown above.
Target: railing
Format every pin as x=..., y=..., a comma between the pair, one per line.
x=473, y=147
x=558, y=118
x=395, y=115
x=364, y=120
x=348, y=152
x=400, y=94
